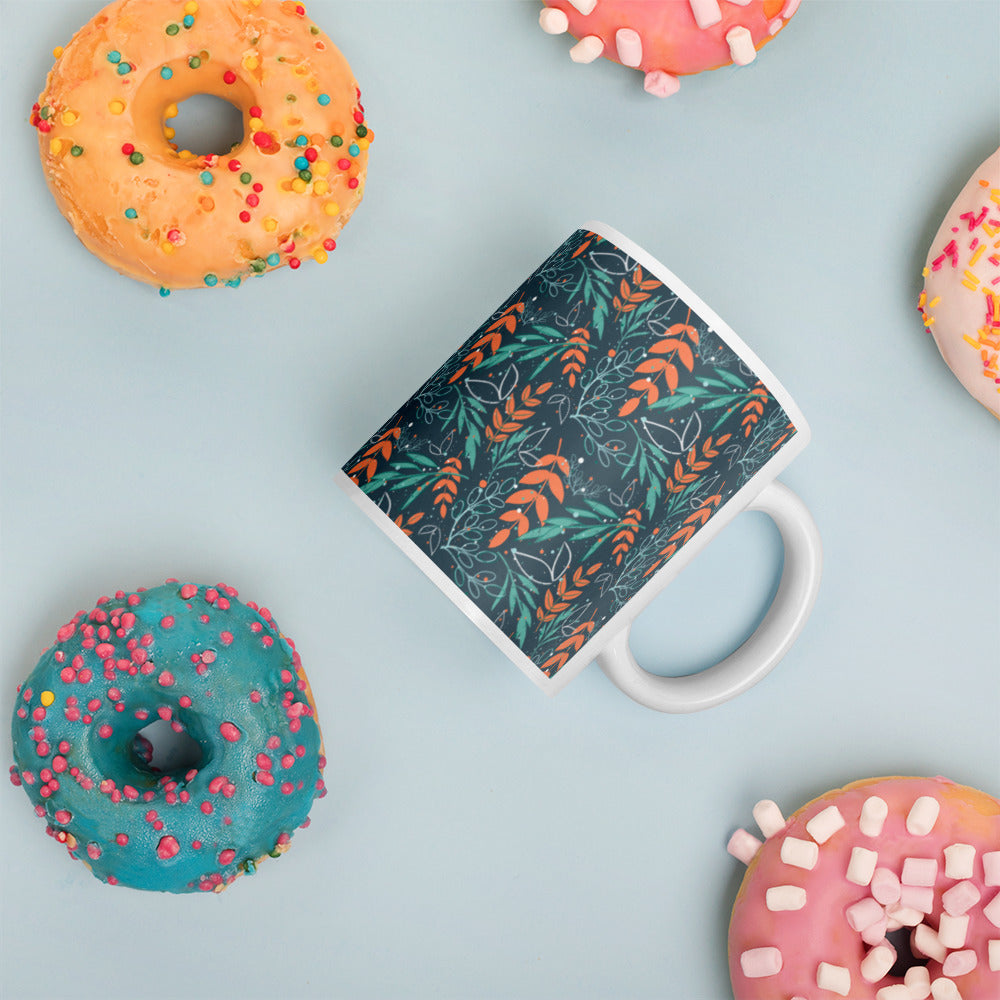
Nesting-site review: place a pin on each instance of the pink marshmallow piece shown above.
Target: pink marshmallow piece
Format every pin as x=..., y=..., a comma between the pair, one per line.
x=960, y=898
x=924, y=941
x=960, y=963
x=660, y=84
x=992, y=910
x=629, y=47
x=875, y=934
x=863, y=914
x=917, y=897
x=885, y=886
x=743, y=846
x=919, y=871
x=760, y=962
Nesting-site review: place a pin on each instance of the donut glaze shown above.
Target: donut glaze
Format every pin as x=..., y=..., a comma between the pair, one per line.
x=667, y=39
x=175, y=219
x=216, y=669
x=880, y=856
x=960, y=300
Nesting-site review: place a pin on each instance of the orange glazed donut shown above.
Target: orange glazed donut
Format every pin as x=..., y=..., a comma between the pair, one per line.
x=179, y=220
x=886, y=889
x=667, y=39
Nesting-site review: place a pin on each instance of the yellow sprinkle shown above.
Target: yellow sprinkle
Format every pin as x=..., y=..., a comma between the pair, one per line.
x=320, y=256
x=167, y=247
x=331, y=208
x=363, y=143
x=980, y=250
x=57, y=51
x=116, y=107
x=971, y=281
x=321, y=167
x=321, y=187
x=270, y=224
x=186, y=154
x=256, y=124
x=190, y=7
x=46, y=698
x=299, y=185
x=171, y=111
x=300, y=70
x=169, y=133
x=250, y=61
x=55, y=146
x=70, y=118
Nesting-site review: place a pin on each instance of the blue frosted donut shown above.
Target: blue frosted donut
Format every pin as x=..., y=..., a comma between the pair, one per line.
x=222, y=676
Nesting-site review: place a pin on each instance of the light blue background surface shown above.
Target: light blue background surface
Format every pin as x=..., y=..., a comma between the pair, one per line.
x=480, y=840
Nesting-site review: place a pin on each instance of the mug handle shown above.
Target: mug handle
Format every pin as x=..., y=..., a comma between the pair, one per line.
x=748, y=664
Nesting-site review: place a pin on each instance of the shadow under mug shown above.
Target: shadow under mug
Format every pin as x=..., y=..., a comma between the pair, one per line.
x=575, y=453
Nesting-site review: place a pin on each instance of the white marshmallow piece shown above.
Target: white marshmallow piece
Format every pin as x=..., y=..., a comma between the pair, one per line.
x=944, y=989
x=960, y=963
x=553, y=21
x=919, y=871
x=589, y=48
x=953, y=931
x=873, y=814
x=991, y=868
x=918, y=981
x=877, y=963
x=960, y=898
x=768, y=817
x=922, y=816
x=757, y=963
x=741, y=3
x=924, y=941
x=628, y=44
x=706, y=12
x=958, y=860
x=785, y=897
x=825, y=824
x=863, y=914
x=799, y=853
x=660, y=84
x=992, y=910
x=861, y=867
x=993, y=950
x=743, y=846
x=585, y=7
x=898, y=991
x=741, y=48
x=834, y=978
x=885, y=886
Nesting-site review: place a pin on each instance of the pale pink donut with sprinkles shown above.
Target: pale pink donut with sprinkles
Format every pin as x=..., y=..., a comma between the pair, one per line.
x=960, y=300
x=886, y=889
x=667, y=39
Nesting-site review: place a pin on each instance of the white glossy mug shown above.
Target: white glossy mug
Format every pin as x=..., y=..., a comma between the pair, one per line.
x=576, y=452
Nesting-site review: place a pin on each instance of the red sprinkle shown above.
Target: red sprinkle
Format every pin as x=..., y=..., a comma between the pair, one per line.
x=244, y=216
x=294, y=262
x=128, y=149
x=255, y=112
x=229, y=76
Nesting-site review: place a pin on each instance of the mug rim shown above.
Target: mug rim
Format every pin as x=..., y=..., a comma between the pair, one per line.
x=667, y=573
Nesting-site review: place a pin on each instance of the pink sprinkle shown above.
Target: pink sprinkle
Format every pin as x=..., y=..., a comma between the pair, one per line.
x=226, y=856
x=263, y=777
x=264, y=761
x=164, y=712
x=184, y=701
x=104, y=650
x=59, y=764
x=167, y=847
x=104, y=731
x=287, y=760
x=287, y=788
x=227, y=638
x=121, y=839
x=93, y=851
x=273, y=743
x=189, y=589
x=65, y=632
x=211, y=595
x=215, y=785
x=63, y=816
x=208, y=656
x=206, y=807
x=167, y=621
x=166, y=679
x=230, y=732
x=67, y=675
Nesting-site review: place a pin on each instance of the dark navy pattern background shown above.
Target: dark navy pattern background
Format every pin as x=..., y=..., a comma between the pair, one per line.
x=572, y=445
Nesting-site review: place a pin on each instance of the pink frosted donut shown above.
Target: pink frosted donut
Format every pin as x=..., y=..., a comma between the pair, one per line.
x=667, y=39
x=886, y=889
x=960, y=300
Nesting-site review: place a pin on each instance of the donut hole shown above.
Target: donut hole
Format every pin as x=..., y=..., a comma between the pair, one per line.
x=162, y=749
x=905, y=959
x=207, y=125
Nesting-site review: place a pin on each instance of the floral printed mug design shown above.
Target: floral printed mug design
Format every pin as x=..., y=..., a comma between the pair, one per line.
x=566, y=462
